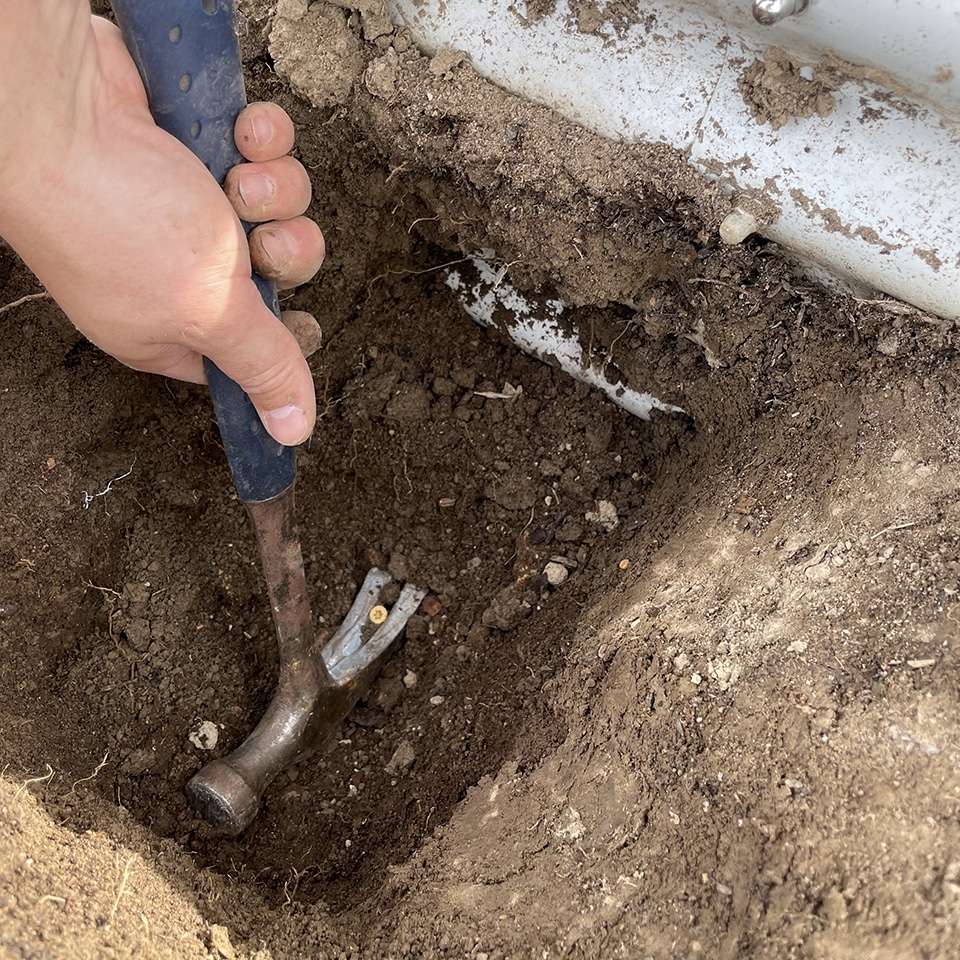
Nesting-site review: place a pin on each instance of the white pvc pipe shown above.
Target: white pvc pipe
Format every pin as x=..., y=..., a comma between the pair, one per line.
x=534, y=326
x=870, y=192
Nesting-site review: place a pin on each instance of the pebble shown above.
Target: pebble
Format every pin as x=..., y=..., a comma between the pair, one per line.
x=409, y=679
x=220, y=942
x=402, y=759
x=205, y=736
x=605, y=515
x=555, y=573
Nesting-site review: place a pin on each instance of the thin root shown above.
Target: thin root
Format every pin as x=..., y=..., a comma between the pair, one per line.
x=123, y=885
x=99, y=767
x=414, y=273
x=896, y=526
x=30, y=296
x=50, y=898
x=26, y=783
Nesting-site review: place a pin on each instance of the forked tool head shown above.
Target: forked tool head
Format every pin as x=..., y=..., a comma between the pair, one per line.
x=314, y=695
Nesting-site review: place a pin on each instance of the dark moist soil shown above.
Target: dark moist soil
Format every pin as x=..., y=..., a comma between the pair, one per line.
x=733, y=731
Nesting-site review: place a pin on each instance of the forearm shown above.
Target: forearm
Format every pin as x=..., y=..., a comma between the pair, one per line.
x=42, y=46
x=48, y=63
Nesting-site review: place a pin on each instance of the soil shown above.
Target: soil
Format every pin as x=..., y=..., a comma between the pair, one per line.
x=777, y=88
x=732, y=731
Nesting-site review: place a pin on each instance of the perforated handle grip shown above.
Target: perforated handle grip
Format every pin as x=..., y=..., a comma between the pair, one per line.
x=189, y=59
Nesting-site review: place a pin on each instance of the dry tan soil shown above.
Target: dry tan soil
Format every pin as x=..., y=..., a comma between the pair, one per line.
x=733, y=731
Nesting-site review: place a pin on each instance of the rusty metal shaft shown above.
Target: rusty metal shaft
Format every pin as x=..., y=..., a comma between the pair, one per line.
x=305, y=707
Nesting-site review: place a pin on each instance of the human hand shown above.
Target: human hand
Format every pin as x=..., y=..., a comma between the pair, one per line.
x=143, y=250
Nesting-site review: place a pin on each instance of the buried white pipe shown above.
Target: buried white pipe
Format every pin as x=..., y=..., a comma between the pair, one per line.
x=870, y=192
x=533, y=325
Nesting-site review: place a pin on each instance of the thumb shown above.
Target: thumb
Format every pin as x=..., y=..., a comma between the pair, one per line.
x=263, y=357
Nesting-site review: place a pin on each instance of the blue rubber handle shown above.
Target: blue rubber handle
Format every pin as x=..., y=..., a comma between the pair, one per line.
x=189, y=59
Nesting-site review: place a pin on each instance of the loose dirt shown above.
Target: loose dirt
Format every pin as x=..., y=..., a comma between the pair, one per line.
x=777, y=88
x=732, y=731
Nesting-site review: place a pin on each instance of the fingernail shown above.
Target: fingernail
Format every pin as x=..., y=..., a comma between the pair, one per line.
x=287, y=425
x=256, y=189
x=277, y=245
x=262, y=130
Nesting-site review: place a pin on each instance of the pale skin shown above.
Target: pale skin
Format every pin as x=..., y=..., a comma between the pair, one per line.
x=127, y=230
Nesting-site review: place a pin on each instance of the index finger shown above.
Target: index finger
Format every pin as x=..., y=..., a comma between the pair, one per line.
x=263, y=131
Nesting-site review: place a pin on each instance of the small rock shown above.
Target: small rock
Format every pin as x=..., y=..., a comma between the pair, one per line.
x=409, y=679
x=555, y=573
x=402, y=759
x=680, y=662
x=306, y=332
x=818, y=571
x=508, y=608
x=605, y=515
x=220, y=942
x=431, y=605
x=205, y=736
x=436, y=701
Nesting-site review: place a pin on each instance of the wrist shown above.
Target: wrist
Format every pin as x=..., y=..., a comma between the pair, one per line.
x=48, y=65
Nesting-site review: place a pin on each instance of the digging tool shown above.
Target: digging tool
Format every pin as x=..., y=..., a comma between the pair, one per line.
x=189, y=59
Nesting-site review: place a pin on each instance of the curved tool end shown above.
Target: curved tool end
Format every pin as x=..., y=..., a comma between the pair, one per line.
x=223, y=798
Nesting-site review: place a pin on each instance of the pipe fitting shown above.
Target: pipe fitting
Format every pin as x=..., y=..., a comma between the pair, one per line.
x=769, y=12
x=737, y=226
